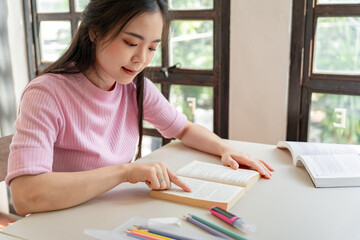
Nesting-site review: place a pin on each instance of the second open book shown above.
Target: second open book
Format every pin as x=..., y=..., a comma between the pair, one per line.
x=211, y=184
x=329, y=165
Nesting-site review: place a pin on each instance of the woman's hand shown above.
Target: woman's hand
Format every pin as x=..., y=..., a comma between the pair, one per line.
x=200, y=138
x=156, y=175
x=235, y=158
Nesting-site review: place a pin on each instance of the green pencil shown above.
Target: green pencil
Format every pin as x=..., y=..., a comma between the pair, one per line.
x=221, y=229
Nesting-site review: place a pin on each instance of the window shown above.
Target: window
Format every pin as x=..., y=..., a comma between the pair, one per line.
x=324, y=91
x=50, y=26
x=192, y=70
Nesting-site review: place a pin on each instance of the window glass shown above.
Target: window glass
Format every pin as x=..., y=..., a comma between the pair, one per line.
x=158, y=85
x=192, y=44
x=190, y=4
x=147, y=124
x=53, y=6
x=337, y=1
x=156, y=61
x=337, y=45
x=150, y=144
x=55, y=36
x=334, y=118
x=80, y=5
x=196, y=102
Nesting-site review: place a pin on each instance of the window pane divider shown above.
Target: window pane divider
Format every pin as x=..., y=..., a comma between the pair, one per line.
x=334, y=77
x=337, y=10
x=186, y=81
x=57, y=16
x=333, y=86
x=151, y=132
x=193, y=15
x=157, y=70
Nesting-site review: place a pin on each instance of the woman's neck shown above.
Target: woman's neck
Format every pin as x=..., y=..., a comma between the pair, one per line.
x=96, y=79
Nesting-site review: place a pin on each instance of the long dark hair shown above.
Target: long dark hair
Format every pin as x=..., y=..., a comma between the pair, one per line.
x=104, y=17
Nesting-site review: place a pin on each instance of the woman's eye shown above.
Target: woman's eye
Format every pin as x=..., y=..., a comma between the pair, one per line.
x=130, y=44
x=152, y=49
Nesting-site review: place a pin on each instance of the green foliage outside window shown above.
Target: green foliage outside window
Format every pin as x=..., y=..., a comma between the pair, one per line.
x=203, y=96
x=82, y=4
x=336, y=51
x=191, y=4
x=192, y=44
x=337, y=45
x=322, y=127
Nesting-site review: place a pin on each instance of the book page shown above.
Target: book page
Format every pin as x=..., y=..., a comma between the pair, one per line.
x=217, y=173
x=204, y=190
x=344, y=165
x=311, y=148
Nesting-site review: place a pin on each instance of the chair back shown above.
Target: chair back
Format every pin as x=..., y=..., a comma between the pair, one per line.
x=4, y=155
x=6, y=218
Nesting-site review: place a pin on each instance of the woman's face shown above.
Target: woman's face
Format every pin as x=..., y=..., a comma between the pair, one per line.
x=121, y=59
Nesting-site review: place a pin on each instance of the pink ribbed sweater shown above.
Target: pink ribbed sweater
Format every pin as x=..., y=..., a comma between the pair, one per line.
x=67, y=124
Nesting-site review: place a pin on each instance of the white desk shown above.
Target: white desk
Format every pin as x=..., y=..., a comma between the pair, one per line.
x=286, y=207
x=4, y=236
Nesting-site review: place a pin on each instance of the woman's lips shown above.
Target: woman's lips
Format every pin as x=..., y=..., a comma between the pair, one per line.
x=130, y=72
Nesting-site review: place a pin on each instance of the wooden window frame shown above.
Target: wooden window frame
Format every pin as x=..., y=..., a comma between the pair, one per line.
x=218, y=77
x=303, y=82
x=32, y=23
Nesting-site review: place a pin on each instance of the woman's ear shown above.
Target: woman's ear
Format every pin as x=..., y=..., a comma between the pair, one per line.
x=92, y=35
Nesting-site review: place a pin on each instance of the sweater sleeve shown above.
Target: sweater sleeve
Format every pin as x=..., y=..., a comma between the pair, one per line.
x=37, y=127
x=160, y=113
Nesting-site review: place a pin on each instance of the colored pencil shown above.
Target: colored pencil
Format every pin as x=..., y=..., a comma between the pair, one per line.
x=207, y=228
x=221, y=229
x=152, y=234
x=165, y=233
x=134, y=236
x=145, y=236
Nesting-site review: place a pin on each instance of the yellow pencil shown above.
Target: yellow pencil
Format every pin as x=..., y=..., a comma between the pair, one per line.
x=152, y=234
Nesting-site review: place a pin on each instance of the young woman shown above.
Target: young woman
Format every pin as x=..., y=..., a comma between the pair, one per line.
x=81, y=119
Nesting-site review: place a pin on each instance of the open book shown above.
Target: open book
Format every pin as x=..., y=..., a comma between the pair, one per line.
x=329, y=165
x=211, y=184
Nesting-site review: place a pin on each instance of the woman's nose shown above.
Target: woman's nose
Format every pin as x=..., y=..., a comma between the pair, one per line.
x=139, y=56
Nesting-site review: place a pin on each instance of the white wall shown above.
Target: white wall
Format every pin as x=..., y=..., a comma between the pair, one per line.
x=259, y=69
